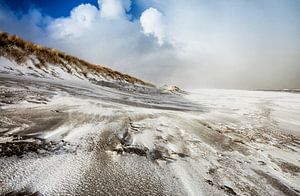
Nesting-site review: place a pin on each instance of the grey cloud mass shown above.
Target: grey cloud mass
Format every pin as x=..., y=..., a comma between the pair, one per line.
x=196, y=43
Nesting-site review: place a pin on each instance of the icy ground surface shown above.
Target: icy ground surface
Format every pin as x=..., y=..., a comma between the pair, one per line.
x=64, y=138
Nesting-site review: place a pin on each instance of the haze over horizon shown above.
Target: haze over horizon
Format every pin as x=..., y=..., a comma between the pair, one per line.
x=193, y=44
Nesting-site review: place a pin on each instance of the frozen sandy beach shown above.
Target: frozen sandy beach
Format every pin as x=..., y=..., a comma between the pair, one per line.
x=67, y=139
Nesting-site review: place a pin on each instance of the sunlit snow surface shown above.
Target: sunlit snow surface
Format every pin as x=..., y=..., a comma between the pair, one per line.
x=72, y=138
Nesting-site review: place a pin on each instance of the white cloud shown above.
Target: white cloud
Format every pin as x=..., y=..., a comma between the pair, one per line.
x=27, y=25
x=80, y=20
x=152, y=23
x=114, y=41
x=237, y=44
x=114, y=9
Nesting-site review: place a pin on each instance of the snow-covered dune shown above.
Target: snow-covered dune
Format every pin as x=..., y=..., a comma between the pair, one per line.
x=24, y=58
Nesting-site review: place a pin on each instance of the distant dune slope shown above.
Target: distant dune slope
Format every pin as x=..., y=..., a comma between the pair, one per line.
x=48, y=60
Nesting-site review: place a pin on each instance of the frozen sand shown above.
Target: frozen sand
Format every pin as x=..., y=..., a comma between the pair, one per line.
x=97, y=140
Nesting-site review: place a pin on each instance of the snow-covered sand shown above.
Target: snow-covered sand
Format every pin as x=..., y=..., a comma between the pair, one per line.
x=71, y=137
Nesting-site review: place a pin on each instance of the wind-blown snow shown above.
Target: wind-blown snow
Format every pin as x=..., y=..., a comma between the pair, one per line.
x=105, y=140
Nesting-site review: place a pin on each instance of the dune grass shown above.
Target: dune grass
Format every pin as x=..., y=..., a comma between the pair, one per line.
x=19, y=50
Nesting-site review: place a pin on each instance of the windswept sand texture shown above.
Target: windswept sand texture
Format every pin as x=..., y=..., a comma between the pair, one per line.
x=62, y=140
x=105, y=133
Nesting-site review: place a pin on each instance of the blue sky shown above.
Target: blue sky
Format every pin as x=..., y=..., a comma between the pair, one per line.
x=54, y=8
x=192, y=43
x=59, y=8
